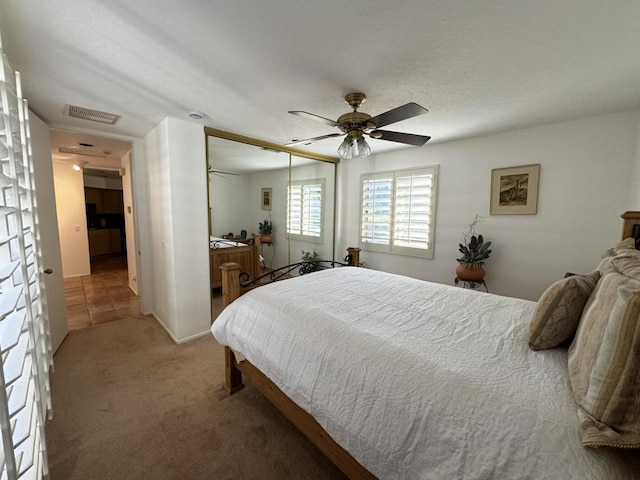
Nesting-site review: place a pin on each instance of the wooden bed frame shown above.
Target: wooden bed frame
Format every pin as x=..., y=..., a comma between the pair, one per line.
x=234, y=370
x=248, y=257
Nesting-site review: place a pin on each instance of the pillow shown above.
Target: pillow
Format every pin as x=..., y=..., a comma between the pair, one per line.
x=626, y=246
x=604, y=364
x=558, y=312
x=627, y=263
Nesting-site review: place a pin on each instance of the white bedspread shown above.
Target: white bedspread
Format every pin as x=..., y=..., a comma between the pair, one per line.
x=419, y=380
x=217, y=242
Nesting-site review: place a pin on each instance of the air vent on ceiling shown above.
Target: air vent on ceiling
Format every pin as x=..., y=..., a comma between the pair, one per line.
x=84, y=151
x=89, y=114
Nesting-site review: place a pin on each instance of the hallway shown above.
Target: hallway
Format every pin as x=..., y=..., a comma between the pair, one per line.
x=102, y=297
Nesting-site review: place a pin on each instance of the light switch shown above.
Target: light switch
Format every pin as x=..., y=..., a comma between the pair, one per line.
x=77, y=228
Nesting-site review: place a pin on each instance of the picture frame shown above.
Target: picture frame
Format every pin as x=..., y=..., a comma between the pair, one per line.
x=514, y=190
x=265, y=198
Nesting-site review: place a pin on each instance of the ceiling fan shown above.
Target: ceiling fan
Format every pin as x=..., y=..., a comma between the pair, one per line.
x=355, y=125
x=221, y=173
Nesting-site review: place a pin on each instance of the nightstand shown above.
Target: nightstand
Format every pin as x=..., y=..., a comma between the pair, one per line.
x=470, y=284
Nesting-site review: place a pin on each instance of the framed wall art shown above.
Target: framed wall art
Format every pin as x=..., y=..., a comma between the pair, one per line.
x=514, y=190
x=265, y=195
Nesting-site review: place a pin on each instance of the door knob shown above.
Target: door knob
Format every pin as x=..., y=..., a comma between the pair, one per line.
x=48, y=271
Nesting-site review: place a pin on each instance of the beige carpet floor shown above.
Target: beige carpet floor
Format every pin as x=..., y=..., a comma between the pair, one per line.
x=128, y=403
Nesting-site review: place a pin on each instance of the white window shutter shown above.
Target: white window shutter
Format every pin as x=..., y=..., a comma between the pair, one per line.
x=377, y=193
x=412, y=211
x=294, y=215
x=312, y=209
x=398, y=211
x=25, y=343
x=305, y=208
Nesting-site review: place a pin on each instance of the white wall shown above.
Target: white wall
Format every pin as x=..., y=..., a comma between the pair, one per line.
x=634, y=197
x=586, y=169
x=277, y=254
x=72, y=220
x=178, y=255
x=160, y=259
x=230, y=211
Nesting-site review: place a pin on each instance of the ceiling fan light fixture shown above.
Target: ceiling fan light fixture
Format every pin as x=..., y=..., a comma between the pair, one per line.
x=345, y=150
x=364, y=150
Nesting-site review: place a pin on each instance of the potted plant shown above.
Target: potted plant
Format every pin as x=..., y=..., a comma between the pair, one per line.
x=264, y=229
x=311, y=261
x=474, y=253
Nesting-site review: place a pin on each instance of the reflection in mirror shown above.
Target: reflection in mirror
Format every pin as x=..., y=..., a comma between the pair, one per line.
x=252, y=182
x=240, y=176
x=311, y=210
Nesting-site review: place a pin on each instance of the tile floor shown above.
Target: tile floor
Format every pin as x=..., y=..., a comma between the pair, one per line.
x=104, y=296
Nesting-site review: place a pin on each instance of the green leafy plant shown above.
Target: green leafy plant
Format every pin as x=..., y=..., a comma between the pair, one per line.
x=312, y=258
x=265, y=227
x=475, y=252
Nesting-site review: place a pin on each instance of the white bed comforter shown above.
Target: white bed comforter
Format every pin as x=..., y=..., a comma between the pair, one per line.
x=419, y=380
x=217, y=242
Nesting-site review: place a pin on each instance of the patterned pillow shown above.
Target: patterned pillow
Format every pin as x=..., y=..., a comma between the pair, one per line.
x=604, y=364
x=558, y=312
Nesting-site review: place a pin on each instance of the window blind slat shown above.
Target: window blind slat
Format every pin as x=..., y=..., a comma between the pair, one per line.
x=21, y=391
x=26, y=421
x=9, y=300
x=10, y=329
x=15, y=360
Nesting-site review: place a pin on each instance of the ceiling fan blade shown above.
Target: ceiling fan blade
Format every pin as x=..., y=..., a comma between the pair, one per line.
x=408, y=138
x=312, y=116
x=397, y=114
x=222, y=172
x=314, y=139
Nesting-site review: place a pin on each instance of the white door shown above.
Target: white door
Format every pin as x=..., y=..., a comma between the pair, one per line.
x=48, y=222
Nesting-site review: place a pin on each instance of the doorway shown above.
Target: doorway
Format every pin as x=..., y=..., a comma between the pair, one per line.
x=94, y=200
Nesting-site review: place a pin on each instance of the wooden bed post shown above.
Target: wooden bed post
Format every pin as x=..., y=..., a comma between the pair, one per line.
x=230, y=282
x=230, y=292
x=354, y=256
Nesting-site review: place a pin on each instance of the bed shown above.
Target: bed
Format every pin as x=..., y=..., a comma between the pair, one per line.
x=247, y=255
x=394, y=377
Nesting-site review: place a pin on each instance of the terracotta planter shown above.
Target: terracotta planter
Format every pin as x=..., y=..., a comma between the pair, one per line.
x=473, y=273
x=265, y=238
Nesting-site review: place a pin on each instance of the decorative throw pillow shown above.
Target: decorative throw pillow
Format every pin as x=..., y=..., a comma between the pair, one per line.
x=558, y=312
x=604, y=366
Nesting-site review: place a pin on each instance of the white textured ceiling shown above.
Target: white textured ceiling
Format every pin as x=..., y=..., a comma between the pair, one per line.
x=479, y=67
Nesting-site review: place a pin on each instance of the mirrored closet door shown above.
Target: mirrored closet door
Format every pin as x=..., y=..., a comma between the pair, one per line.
x=253, y=183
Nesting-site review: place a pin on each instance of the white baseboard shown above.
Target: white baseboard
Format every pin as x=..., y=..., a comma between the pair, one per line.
x=176, y=340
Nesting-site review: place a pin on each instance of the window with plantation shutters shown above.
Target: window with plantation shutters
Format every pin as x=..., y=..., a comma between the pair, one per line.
x=305, y=209
x=25, y=344
x=398, y=211
x=377, y=195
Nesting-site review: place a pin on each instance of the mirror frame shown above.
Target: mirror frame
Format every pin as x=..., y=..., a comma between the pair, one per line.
x=213, y=132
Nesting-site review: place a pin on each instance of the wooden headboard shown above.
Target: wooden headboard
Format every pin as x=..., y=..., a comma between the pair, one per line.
x=631, y=226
